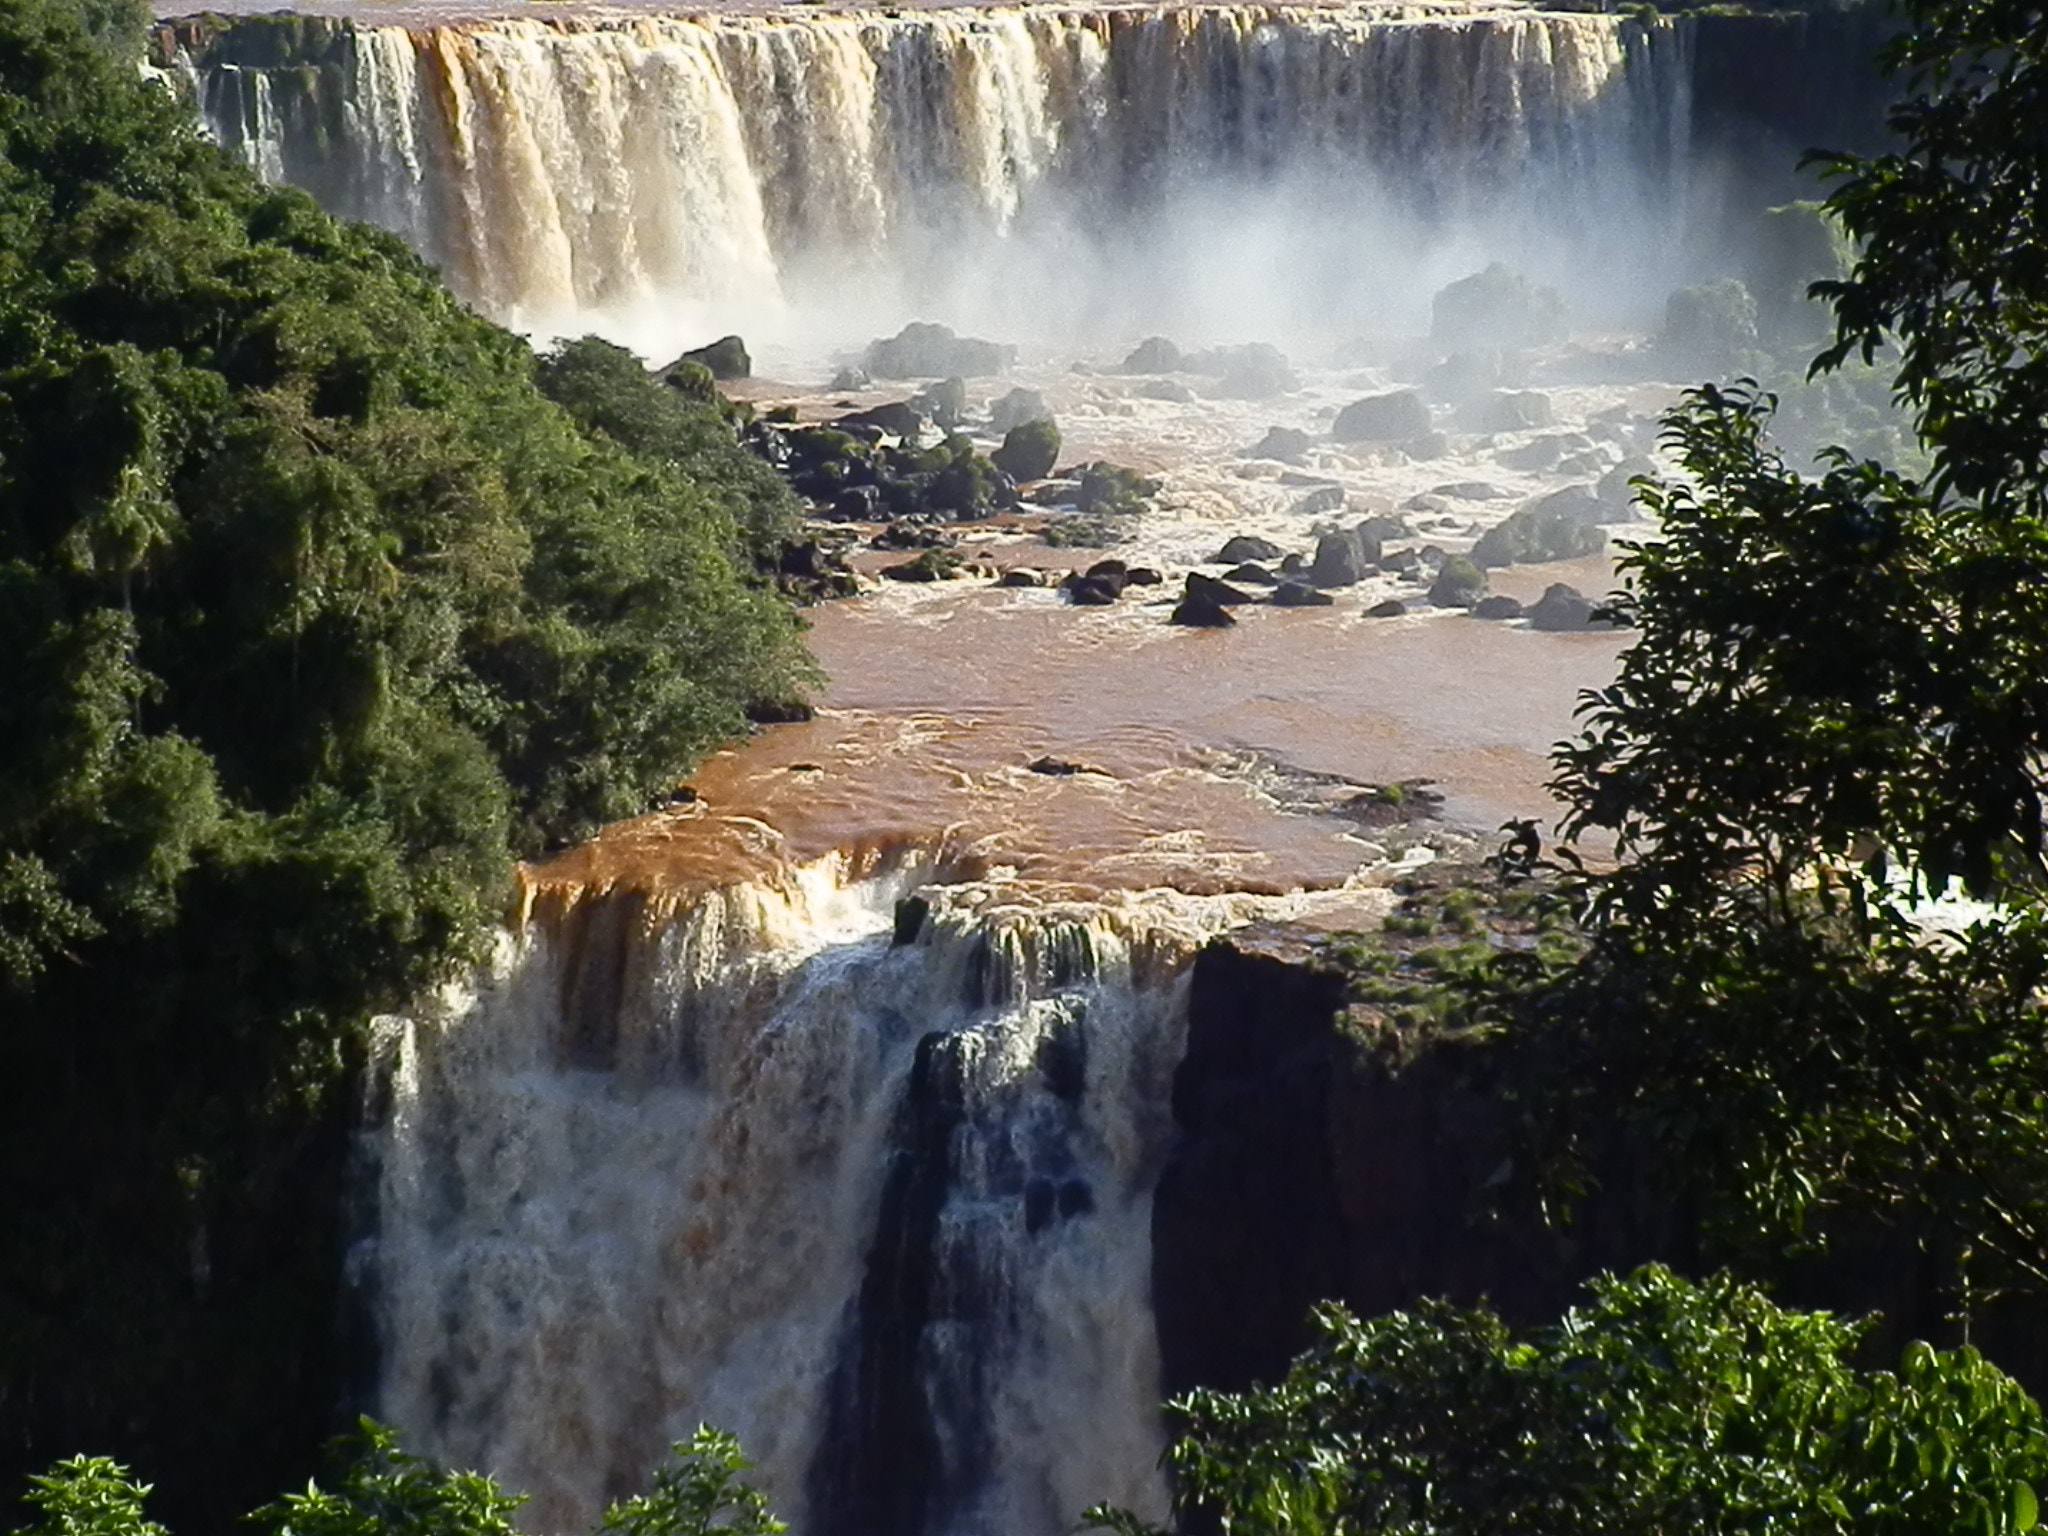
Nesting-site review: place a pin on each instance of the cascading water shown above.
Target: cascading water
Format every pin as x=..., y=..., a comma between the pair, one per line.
x=1082, y=164
x=865, y=1179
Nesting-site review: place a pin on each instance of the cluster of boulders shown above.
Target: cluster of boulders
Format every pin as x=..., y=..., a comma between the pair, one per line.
x=869, y=467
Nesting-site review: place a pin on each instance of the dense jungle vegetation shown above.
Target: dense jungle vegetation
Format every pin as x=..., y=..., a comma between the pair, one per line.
x=315, y=611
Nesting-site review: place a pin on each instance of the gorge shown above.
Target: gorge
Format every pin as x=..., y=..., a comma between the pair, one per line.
x=830, y=1103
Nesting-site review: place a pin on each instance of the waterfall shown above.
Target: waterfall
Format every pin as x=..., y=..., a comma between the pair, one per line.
x=856, y=1162
x=975, y=161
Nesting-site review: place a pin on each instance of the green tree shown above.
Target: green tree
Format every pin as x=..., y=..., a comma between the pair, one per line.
x=384, y=1491
x=88, y=1496
x=314, y=613
x=698, y=1491
x=1836, y=709
x=1660, y=1406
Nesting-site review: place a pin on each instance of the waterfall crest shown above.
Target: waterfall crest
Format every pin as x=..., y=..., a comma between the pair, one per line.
x=737, y=164
x=856, y=1162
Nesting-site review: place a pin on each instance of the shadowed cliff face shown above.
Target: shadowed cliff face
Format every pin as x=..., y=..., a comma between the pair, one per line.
x=1306, y=1168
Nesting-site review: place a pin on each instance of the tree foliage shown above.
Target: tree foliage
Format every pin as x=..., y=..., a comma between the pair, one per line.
x=314, y=610
x=1659, y=1406
x=1833, y=720
x=383, y=1490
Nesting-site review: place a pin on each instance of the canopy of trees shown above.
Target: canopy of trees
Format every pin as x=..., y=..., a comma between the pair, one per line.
x=1659, y=1407
x=315, y=610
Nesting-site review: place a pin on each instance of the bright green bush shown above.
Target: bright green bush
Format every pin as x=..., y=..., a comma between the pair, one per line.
x=1661, y=1406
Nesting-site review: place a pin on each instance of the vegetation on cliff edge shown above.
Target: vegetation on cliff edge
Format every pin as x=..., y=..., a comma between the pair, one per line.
x=314, y=611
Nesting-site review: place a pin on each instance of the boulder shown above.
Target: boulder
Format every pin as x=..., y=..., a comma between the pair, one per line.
x=1401, y=562
x=850, y=378
x=1166, y=389
x=1090, y=591
x=1459, y=584
x=1575, y=501
x=1468, y=490
x=1465, y=376
x=1388, y=418
x=858, y=504
x=1020, y=576
x=1392, y=608
x=1563, y=607
x=1245, y=546
x=1114, y=571
x=932, y=565
x=1498, y=606
x=726, y=358
x=1324, y=498
x=1342, y=560
x=1615, y=490
x=1209, y=589
x=1198, y=610
x=1711, y=327
x=1494, y=309
x=945, y=402
x=1029, y=450
x=1535, y=456
x=1544, y=530
x=1106, y=487
x=1016, y=408
x=922, y=350
x=1293, y=565
x=1253, y=371
x=1510, y=410
x=1155, y=354
x=1295, y=594
x=1287, y=444
x=1142, y=576
x=1430, y=445
x=896, y=418
x=1383, y=526
x=1252, y=575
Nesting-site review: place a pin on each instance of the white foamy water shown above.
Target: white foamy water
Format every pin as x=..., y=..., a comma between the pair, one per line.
x=1064, y=171
x=758, y=1156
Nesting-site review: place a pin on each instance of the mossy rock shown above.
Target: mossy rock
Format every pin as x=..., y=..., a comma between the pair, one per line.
x=1029, y=450
x=1460, y=584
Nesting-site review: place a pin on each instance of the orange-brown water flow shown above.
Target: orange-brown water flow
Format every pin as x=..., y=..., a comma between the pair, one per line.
x=1202, y=749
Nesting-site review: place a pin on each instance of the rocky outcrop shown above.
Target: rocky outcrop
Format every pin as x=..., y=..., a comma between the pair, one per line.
x=922, y=350
x=1155, y=354
x=1494, y=309
x=1307, y=1168
x=726, y=358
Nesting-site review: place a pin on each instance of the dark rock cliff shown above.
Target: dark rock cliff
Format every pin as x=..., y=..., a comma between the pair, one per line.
x=1308, y=1168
